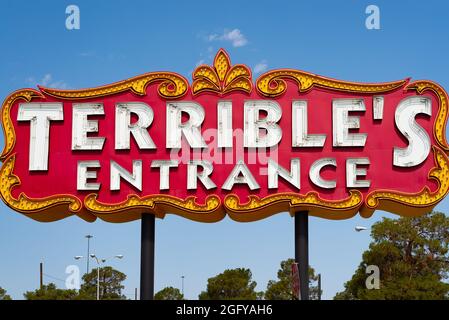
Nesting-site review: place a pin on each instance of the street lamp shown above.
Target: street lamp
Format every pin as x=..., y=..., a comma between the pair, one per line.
x=360, y=228
x=99, y=262
x=182, y=286
x=88, y=250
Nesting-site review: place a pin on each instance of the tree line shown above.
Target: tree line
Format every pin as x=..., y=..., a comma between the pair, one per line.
x=411, y=254
x=110, y=288
x=232, y=284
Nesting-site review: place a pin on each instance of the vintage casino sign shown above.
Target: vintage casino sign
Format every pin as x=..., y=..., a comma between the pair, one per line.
x=225, y=144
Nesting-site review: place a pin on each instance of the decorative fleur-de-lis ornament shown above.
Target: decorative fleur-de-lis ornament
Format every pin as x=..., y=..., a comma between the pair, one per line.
x=222, y=78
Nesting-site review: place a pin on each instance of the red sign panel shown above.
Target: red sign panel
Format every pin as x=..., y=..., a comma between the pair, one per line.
x=288, y=141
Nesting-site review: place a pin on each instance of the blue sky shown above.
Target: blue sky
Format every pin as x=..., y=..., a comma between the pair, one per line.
x=120, y=39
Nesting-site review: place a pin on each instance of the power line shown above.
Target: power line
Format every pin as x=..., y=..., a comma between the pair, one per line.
x=54, y=278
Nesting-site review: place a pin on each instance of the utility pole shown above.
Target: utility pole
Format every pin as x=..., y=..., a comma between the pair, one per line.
x=41, y=272
x=135, y=294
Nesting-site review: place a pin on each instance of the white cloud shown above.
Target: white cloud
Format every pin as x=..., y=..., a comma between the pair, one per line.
x=212, y=37
x=200, y=62
x=260, y=67
x=47, y=81
x=235, y=36
x=87, y=54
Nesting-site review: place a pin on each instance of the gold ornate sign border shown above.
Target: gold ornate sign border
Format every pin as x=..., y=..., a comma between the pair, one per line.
x=222, y=78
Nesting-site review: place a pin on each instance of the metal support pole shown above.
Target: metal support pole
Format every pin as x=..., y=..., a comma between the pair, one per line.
x=147, y=257
x=319, y=286
x=88, y=255
x=41, y=272
x=88, y=252
x=302, y=251
x=182, y=285
x=98, y=282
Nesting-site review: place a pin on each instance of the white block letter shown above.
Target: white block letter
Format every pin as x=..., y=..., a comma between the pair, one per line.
x=315, y=173
x=191, y=128
x=81, y=126
x=352, y=172
x=134, y=178
x=39, y=115
x=342, y=122
x=224, y=111
x=240, y=175
x=124, y=128
x=418, y=140
x=84, y=174
x=193, y=175
x=275, y=170
x=253, y=123
x=164, y=165
x=299, y=127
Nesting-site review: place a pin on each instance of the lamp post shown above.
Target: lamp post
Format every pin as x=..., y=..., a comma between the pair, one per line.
x=98, y=275
x=88, y=250
x=99, y=262
x=182, y=285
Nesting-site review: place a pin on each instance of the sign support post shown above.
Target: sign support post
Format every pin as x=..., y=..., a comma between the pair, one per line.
x=302, y=251
x=147, y=257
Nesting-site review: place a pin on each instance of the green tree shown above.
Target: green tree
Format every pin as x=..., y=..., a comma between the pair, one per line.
x=281, y=289
x=51, y=292
x=412, y=256
x=169, y=293
x=232, y=284
x=110, y=284
x=3, y=295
